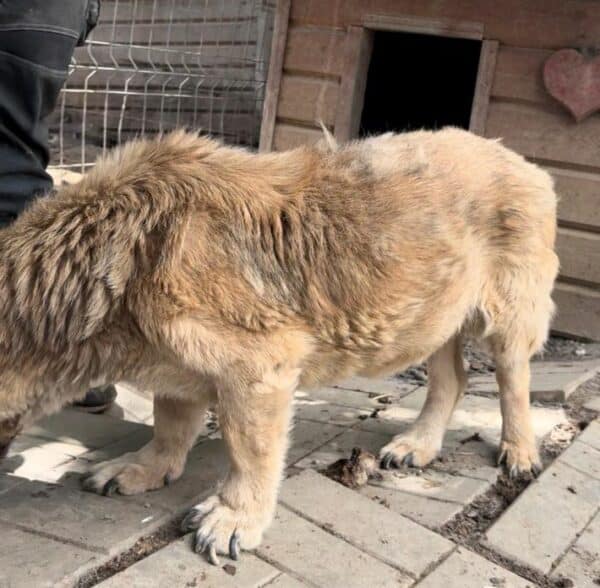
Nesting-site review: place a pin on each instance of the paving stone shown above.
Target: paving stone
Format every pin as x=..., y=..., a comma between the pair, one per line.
x=341, y=397
x=7, y=482
x=591, y=435
x=35, y=458
x=541, y=524
x=76, y=427
x=313, y=409
x=306, y=436
x=426, y=511
x=582, y=457
x=132, y=405
x=582, y=562
x=464, y=569
x=105, y=525
x=319, y=558
x=285, y=581
x=593, y=404
x=178, y=565
x=377, y=386
x=550, y=381
x=35, y=561
x=364, y=523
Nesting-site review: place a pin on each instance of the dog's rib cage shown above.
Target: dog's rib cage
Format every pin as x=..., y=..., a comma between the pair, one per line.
x=154, y=65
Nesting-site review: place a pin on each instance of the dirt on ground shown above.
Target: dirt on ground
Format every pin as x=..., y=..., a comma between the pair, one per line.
x=354, y=471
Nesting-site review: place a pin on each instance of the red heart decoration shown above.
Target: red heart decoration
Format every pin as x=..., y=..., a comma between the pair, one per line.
x=574, y=81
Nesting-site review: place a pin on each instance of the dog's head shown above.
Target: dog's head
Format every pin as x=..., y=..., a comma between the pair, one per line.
x=9, y=429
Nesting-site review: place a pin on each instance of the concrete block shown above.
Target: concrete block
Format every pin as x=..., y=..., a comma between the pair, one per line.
x=541, y=524
x=464, y=569
x=29, y=560
x=581, y=564
x=377, y=386
x=178, y=565
x=591, y=435
x=313, y=409
x=582, y=457
x=306, y=436
x=371, y=527
x=313, y=555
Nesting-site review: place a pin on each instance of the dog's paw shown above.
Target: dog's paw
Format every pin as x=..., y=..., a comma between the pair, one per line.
x=223, y=530
x=409, y=449
x=520, y=458
x=127, y=476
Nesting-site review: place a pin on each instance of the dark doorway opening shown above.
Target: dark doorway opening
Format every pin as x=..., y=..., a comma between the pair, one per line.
x=419, y=82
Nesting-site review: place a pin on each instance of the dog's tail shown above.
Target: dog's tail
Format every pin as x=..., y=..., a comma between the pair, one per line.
x=69, y=259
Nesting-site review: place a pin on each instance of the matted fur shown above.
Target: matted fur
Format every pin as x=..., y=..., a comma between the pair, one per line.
x=211, y=274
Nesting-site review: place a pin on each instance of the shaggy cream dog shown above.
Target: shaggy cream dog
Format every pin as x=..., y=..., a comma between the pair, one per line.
x=216, y=276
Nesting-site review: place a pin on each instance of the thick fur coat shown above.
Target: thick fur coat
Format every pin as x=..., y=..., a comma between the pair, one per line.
x=213, y=275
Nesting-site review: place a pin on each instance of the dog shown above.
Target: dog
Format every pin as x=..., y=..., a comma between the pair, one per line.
x=218, y=277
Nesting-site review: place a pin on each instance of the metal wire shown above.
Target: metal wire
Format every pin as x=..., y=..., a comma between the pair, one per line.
x=155, y=65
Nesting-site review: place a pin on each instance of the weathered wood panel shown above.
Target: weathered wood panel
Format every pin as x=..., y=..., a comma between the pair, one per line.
x=549, y=24
x=579, y=253
x=519, y=75
x=550, y=135
x=308, y=99
x=290, y=136
x=485, y=76
x=578, y=311
x=579, y=197
x=314, y=50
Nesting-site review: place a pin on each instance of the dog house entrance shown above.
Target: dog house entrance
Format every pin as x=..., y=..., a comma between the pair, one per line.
x=417, y=81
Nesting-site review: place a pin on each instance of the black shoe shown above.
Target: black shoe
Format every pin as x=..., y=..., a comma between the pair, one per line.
x=97, y=400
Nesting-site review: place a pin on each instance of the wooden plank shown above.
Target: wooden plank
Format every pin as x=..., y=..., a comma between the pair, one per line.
x=308, y=99
x=312, y=50
x=579, y=253
x=290, y=136
x=161, y=11
x=578, y=311
x=424, y=26
x=549, y=135
x=579, y=197
x=483, y=85
x=280, y=27
x=357, y=56
x=519, y=75
x=549, y=24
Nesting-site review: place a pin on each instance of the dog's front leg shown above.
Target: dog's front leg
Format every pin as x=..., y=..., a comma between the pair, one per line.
x=255, y=419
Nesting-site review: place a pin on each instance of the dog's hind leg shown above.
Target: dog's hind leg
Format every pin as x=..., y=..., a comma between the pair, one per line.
x=176, y=426
x=421, y=443
x=255, y=419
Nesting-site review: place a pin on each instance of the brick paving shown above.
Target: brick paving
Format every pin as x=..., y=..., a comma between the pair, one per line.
x=387, y=533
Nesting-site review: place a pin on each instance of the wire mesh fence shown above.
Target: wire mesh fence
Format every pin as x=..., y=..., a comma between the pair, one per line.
x=154, y=65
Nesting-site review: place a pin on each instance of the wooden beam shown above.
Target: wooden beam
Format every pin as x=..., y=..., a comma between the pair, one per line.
x=357, y=56
x=445, y=27
x=483, y=86
x=267, y=129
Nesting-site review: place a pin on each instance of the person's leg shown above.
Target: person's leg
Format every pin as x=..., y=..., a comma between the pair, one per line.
x=37, y=40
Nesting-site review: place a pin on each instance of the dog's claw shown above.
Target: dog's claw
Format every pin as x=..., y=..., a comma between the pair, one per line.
x=388, y=461
x=110, y=488
x=501, y=457
x=536, y=469
x=234, y=546
x=408, y=460
x=212, y=554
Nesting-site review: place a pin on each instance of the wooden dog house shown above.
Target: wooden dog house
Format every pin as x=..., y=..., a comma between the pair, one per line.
x=363, y=66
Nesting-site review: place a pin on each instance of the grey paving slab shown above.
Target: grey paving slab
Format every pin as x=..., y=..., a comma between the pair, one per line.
x=306, y=436
x=76, y=427
x=31, y=561
x=178, y=565
x=322, y=559
x=426, y=511
x=581, y=564
x=593, y=404
x=341, y=397
x=464, y=569
x=591, y=435
x=541, y=524
x=582, y=457
x=364, y=523
x=377, y=386
x=105, y=525
x=8, y=481
x=313, y=409
x=285, y=581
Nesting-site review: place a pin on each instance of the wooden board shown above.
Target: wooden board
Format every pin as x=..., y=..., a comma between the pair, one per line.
x=519, y=75
x=314, y=50
x=579, y=253
x=483, y=85
x=550, y=24
x=308, y=99
x=290, y=136
x=548, y=135
x=579, y=197
x=578, y=311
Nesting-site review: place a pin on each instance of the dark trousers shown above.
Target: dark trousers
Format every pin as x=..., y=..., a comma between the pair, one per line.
x=37, y=39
